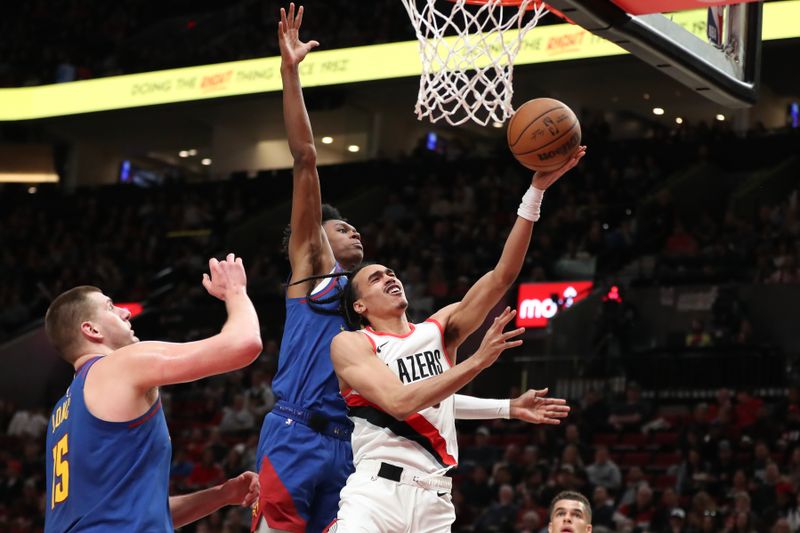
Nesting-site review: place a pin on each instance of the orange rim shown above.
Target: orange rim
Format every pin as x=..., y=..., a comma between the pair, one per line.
x=511, y=3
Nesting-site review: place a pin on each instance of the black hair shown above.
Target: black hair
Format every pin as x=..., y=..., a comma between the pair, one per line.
x=345, y=296
x=328, y=213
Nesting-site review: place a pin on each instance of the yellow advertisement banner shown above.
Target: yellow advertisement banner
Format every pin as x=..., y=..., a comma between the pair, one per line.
x=560, y=42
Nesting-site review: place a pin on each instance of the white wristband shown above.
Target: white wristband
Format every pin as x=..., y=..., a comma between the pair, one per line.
x=529, y=208
x=471, y=408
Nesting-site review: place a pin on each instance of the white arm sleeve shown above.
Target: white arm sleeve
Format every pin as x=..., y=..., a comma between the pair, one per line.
x=471, y=408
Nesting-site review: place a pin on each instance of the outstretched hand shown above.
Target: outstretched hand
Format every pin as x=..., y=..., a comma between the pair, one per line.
x=542, y=180
x=225, y=276
x=496, y=341
x=533, y=407
x=293, y=50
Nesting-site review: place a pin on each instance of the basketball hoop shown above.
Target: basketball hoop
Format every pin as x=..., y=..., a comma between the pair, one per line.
x=467, y=53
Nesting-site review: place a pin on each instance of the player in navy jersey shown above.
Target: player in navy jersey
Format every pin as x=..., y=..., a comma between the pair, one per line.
x=304, y=453
x=108, y=447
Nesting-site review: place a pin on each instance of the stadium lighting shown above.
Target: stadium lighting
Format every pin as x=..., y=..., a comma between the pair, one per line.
x=497, y=124
x=205, y=162
x=658, y=111
x=327, y=140
x=353, y=148
x=32, y=189
x=183, y=153
x=192, y=152
x=720, y=117
x=678, y=120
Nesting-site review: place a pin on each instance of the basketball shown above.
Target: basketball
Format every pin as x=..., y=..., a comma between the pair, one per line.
x=543, y=134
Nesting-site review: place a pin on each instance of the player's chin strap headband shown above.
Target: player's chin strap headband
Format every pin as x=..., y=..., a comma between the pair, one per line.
x=344, y=297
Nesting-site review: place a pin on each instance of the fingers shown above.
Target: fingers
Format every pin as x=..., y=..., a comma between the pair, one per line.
x=299, y=19
x=513, y=333
x=313, y=44
x=512, y=344
x=284, y=22
x=291, y=15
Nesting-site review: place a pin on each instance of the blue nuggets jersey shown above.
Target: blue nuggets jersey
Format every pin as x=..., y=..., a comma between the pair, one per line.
x=305, y=376
x=106, y=476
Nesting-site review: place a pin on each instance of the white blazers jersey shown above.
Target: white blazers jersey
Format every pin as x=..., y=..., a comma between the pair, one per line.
x=425, y=441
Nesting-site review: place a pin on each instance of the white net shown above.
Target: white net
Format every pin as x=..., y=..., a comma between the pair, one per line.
x=467, y=51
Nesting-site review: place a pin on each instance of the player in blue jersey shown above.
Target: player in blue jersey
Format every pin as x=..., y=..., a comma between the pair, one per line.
x=304, y=453
x=108, y=448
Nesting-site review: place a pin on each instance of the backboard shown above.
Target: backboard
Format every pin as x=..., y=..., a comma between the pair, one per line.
x=720, y=61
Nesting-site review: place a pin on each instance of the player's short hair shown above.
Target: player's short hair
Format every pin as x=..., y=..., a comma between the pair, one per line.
x=574, y=496
x=328, y=213
x=64, y=317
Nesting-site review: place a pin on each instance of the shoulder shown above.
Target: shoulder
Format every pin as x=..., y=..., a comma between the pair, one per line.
x=349, y=340
x=442, y=316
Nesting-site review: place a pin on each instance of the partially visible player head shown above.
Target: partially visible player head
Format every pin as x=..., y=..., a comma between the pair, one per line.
x=84, y=320
x=372, y=291
x=344, y=238
x=570, y=512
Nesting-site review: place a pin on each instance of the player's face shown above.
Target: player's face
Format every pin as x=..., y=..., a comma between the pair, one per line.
x=112, y=322
x=569, y=516
x=345, y=243
x=379, y=291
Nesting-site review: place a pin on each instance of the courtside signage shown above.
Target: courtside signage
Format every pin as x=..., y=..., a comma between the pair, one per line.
x=558, y=42
x=537, y=303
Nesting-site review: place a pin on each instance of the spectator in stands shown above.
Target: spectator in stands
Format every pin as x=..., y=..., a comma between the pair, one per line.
x=603, y=508
x=693, y=474
x=668, y=504
x=634, y=479
x=475, y=489
x=572, y=437
x=237, y=418
x=259, y=396
x=604, y=472
x=746, y=409
x=677, y=522
x=630, y=415
x=638, y=514
x=793, y=515
x=501, y=515
x=481, y=452
x=180, y=468
x=27, y=423
x=723, y=468
x=206, y=473
x=529, y=523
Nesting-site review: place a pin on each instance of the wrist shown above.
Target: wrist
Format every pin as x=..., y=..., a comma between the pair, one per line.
x=289, y=68
x=530, y=206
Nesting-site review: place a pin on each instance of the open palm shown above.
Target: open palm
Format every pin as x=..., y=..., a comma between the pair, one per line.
x=534, y=407
x=293, y=50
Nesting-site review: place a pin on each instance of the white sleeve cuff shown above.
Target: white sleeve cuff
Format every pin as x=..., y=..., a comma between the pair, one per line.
x=471, y=408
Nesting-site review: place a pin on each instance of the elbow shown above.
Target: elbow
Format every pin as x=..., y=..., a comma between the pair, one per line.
x=399, y=409
x=504, y=278
x=305, y=156
x=247, y=348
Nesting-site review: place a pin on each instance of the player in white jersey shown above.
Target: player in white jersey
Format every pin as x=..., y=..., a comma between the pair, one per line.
x=398, y=380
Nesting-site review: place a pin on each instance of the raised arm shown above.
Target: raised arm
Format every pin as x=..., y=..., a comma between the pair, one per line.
x=187, y=508
x=461, y=319
x=309, y=251
x=358, y=368
x=145, y=365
